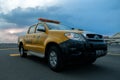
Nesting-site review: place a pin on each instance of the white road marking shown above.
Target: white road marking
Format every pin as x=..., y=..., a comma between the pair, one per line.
x=114, y=54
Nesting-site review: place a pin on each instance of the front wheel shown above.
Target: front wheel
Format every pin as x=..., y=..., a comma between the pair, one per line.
x=22, y=51
x=90, y=61
x=55, y=58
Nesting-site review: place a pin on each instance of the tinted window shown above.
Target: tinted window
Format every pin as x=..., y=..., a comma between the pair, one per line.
x=53, y=26
x=31, y=30
x=40, y=27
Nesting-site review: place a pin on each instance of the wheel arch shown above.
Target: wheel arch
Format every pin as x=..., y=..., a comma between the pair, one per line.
x=20, y=43
x=48, y=46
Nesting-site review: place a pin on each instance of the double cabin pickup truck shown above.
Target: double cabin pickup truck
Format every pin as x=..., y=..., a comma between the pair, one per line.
x=60, y=44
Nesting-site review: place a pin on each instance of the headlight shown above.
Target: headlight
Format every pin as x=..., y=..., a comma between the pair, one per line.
x=75, y=36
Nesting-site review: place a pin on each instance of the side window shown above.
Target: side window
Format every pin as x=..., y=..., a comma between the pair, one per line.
x=31, y=30
x=40, y=28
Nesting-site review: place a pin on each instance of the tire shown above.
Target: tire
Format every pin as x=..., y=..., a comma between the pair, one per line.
x=22, y=51
x=90, y=61
x=55, y=59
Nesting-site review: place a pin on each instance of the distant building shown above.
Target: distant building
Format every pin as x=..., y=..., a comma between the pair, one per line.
x=116, y=38
x=113, y=39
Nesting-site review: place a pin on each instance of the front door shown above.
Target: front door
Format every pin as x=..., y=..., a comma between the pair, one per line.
x=40, y=37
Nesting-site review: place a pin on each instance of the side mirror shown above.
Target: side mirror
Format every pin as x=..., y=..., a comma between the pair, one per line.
x=41, y=30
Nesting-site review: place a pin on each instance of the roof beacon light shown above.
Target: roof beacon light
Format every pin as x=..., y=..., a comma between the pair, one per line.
x=51, y=21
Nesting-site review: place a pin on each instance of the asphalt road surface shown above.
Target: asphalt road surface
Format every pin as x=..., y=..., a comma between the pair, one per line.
x=13, y=67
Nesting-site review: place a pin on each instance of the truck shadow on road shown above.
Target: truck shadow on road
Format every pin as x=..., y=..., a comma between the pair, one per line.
x=73, y=69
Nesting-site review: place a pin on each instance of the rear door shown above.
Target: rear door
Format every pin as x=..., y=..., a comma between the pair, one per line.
x=30, y=37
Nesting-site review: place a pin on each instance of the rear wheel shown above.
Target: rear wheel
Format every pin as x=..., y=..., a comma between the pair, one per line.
x=55, y=59
x=22, y=51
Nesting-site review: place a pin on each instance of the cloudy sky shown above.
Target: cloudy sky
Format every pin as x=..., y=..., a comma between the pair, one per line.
x=99, y=16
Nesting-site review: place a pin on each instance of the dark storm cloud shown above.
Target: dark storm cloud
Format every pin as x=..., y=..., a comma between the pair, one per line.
x=101, y=16
x=30, y=16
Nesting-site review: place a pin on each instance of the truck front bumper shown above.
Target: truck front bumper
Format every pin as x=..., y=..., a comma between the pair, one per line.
x=73, y=48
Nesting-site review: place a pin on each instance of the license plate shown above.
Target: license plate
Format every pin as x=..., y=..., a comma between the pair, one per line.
x=100, y=52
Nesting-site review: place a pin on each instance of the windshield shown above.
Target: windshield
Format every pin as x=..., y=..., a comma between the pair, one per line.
x=53, y=26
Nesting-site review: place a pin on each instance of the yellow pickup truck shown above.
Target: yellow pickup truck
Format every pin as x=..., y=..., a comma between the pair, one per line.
x=60, y=44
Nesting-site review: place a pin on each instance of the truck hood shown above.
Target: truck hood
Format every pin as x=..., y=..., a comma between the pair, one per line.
x=64, y=31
